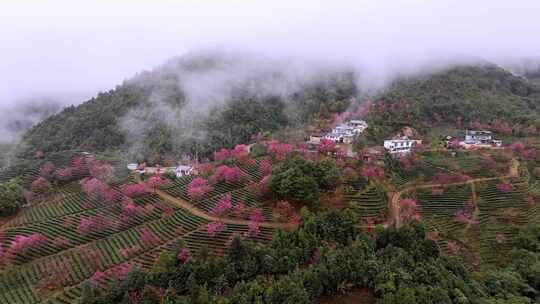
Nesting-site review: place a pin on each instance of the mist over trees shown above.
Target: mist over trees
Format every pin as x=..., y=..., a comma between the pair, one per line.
x=195, y=105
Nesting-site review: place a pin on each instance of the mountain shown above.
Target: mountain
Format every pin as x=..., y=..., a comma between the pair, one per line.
x=195, y=104
x=456, y=96
x=201, y=102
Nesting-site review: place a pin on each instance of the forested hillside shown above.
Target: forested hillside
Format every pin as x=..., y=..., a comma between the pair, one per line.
x=179, y=107
x=457, y=97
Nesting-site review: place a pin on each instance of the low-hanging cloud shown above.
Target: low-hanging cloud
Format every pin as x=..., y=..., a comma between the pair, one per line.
x=65, y=48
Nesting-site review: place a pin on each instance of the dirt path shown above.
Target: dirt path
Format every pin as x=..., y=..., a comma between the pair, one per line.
x=201, y=213
x=198, y=212
x=394, y=206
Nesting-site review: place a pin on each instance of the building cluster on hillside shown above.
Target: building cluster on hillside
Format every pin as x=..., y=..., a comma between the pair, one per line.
x=179, y=171
x=474, y=139
x=400, y=145
x=346, y=132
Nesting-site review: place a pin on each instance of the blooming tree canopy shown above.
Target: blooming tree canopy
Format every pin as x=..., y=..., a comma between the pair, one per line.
x=214, y=228
x=221, y=155
x=133, y=190
x=40, y=185
x=408, y=210
x=223, y=205
x=198, y=188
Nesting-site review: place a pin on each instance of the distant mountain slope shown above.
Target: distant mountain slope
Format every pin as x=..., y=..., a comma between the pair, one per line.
x=463, y=94
x=203, y=101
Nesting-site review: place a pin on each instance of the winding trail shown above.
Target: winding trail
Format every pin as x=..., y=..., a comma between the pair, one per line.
x=394, y=206
x=201, y=213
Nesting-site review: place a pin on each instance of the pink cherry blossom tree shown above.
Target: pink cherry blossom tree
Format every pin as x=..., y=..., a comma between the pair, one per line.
x=256, y=215
x=65, y=174
x=183, y=255
x=327, y=146
x=214, y=228
x=198, y=188
x=253, y=229
x=46, y=170
x=265, y=167
x=133, y=190
x=284, y=209
x=156, y=181
x=148, y=238
x=239, y=209
x=93, y=187
x=371, y=172
x=240, y=153
x=279, y=150
x=408, y=210
x=28, y=196
x=222, y=155
x=223, y=205
x=227, y=174
x=205, y=169
x=40, y=185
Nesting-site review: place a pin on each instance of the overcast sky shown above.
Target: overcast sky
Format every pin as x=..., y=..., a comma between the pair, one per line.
x=72, y=49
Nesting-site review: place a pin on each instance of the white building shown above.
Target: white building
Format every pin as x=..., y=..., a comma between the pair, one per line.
x=401, y=145
x=345, y=133
x=479, y=139
x=183, y=170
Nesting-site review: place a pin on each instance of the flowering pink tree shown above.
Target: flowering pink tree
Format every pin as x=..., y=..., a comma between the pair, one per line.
x=93, y=224
x=371, y=172
x=97, y=277
x=133, y=190
x=22, y=243
x=198, y=188
x=214, y=228
x=279, y=150
x=156, y=181
x=260, y=188
x=466, y=215
x=327, y=146
x=227, y=174
x=65, y=174
x=148, y=238
x=265, y=167
x=204, y=169
x=129, y=209
x=284, y=209
x=221, y=155
x=121, y=272
x=256, y=215
x=40, y=185
x=93, y=187
x=46, y=170
x=223, y=205
x=517, y=147
x=28, y=196
x=239, y=209
x=408, y=210
x=529, y=154
x=183, y=255
x=505, y=187
x=240, y=153
x=253, y=229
